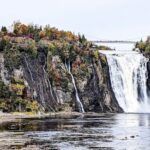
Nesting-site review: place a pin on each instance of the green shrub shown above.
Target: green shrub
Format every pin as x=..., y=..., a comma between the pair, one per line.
x=12, y=58
x=96, y=54
x=4, y=90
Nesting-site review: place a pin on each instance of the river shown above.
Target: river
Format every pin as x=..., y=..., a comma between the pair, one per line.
x=119, y=46
x=88, y=131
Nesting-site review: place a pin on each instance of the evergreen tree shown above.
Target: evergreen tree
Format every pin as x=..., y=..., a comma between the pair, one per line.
x=4, y=29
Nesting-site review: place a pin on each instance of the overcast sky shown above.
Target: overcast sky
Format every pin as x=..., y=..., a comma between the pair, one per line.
x=97, y=19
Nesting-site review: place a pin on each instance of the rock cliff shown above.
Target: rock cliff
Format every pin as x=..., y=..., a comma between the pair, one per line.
x=51, y=70
x=47, y=80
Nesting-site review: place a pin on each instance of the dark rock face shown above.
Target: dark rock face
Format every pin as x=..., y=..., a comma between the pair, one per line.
x=39, y=84
x=147, y=55
x=148, y=80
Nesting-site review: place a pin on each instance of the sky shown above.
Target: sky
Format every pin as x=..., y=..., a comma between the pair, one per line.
x=96, y=19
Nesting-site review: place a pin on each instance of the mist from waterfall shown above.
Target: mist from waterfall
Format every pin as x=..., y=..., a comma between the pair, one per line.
x=128, y=75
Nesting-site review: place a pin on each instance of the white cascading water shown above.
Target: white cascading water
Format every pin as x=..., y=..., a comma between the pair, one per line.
x=79, y=103
x=128, y=75
x=3, y=71
x=28, y=68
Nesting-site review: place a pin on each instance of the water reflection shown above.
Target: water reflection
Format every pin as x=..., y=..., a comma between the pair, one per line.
x=132, y=120
x=105, y=131
x=131, y=131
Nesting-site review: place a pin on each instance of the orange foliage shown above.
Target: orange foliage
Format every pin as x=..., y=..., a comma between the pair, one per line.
x=42, y=34
x=21, y=29
x=57, y=77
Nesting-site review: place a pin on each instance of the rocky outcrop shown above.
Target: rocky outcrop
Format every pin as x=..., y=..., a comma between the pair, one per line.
x=35, y=74
x=95, y=91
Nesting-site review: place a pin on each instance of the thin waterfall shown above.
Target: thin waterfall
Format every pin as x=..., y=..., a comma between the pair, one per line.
x=48, y=82
x=79, y=103
x=128, y=75
x=40, y=83
x=3, y=71
x=41, y=94
x=28, y=68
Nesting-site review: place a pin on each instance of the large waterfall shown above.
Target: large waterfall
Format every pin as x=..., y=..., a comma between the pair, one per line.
x=128, y=75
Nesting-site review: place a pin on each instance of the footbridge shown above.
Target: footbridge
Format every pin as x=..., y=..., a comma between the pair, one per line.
x=114, y=41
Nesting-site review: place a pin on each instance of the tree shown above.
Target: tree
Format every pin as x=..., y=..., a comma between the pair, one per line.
x=147, y=49
x=15, y=27
x=82, y=39
x=5, y=93
x=4, y=29
x=141, y=45
x=2, y=44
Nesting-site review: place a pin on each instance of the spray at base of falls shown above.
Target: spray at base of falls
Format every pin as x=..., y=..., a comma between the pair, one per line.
x=128, y=75
x=79, y=103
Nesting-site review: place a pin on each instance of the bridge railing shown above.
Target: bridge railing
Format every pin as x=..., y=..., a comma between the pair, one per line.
x=123, y=42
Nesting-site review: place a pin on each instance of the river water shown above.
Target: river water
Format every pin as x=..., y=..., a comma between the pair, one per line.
x=82, y=132
x=119, y=46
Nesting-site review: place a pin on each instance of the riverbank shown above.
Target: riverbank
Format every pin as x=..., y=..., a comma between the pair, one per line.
x=9, y=117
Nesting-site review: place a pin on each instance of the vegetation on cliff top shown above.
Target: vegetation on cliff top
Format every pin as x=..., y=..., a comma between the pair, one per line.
x=144, y=46
x=29, y=38
x=32, y=38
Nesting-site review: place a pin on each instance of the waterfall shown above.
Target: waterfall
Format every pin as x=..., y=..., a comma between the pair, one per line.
x=48, y=82
x=128, y=75
x=28, y=68
x=79, y=103
x=3, y=71
x=42, y=94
